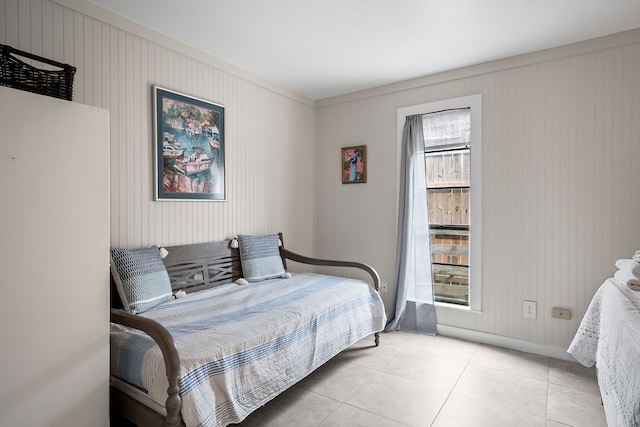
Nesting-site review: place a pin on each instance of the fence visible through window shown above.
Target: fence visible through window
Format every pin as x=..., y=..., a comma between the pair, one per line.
x=448, y=169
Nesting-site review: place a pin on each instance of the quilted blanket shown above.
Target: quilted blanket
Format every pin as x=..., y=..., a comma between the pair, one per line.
x=609, y=338
x=242, y=345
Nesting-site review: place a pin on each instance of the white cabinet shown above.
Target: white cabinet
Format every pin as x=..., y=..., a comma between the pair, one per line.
x=54, y=262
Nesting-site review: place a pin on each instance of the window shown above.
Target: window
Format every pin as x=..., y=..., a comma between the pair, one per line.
x=452, y=134
x=447, y=136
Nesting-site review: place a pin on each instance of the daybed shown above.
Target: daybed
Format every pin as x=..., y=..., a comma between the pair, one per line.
x=609, y=338
x=212, y=357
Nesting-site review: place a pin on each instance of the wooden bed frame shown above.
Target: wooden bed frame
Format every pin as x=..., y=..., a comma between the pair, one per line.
x=192, y=268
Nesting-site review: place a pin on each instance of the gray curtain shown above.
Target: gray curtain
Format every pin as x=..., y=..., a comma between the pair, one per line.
x=414, y=309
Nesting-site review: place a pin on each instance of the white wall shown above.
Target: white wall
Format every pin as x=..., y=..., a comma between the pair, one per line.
x=560, y=154
x=269, y=130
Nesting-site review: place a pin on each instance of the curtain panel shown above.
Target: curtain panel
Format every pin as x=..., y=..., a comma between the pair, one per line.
x=414, y=308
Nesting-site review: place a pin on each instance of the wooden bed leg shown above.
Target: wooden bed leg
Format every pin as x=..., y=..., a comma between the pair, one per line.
x=173, y=404
x=377, y=338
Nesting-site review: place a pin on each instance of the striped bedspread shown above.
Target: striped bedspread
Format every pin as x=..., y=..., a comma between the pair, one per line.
x=240, y=346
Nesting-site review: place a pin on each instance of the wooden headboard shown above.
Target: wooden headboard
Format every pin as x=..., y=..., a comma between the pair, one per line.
x=202, y=265
x=199, y=266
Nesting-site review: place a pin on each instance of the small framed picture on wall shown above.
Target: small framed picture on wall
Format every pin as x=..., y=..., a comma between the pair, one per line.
x=354, y=165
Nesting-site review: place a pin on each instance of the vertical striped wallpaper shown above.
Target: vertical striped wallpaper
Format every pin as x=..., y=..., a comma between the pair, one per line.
x=561, y=150
x=269, y=133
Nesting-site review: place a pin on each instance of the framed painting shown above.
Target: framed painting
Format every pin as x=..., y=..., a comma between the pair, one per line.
x=354, y=165
x=189, y=147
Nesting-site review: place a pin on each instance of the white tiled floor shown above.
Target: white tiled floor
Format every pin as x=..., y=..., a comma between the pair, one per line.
x=416, y=380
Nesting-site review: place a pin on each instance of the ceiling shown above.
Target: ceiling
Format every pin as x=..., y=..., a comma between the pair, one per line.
x=322, y=48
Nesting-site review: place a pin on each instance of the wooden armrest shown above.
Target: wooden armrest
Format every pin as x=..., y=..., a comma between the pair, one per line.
x=316, y=261
x=169, y=352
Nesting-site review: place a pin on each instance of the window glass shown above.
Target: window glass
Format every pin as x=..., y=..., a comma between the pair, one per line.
x=447, y=137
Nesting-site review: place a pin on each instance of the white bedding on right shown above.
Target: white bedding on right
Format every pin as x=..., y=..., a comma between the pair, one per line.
x=609, y=338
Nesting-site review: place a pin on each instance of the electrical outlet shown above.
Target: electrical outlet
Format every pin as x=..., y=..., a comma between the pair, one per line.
x=561, y=313
x=384, y=287
x=529, y=309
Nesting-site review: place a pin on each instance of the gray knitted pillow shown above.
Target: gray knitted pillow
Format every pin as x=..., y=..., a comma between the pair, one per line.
x=141, y=278
x=260, y=257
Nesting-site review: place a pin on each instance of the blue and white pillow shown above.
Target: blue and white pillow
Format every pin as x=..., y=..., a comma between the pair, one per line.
x=260, y=258
x=141, y=278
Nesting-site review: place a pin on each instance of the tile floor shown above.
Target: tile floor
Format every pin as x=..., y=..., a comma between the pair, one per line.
x=416, y=380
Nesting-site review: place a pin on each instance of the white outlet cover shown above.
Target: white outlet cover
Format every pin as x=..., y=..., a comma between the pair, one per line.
x=529, y=309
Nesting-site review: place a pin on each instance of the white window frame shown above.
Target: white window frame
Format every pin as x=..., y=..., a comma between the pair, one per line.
x=475, y=252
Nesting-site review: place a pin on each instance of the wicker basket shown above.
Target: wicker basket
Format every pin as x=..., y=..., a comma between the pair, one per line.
x=20, y=75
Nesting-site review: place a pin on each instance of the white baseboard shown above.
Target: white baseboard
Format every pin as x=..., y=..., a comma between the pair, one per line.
x=506, y=342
